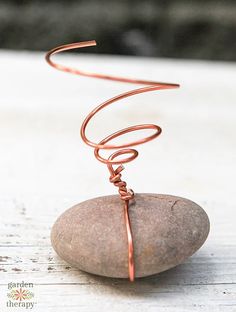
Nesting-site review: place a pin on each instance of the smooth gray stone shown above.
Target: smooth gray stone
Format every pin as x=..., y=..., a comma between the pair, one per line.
x=166, y=230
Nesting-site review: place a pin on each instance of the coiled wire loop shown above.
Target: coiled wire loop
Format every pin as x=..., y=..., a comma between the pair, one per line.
x=122, y=149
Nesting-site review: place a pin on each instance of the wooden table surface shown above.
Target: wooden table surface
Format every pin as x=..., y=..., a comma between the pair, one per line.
x=46, y=168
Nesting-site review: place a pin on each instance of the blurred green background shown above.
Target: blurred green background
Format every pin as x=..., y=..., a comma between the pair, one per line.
x=171, y=28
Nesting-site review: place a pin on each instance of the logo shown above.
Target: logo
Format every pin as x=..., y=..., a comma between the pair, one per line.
x=20, y=295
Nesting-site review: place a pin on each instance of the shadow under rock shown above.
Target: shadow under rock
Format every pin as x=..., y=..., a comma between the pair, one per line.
x=190, y=273
x=164, y=282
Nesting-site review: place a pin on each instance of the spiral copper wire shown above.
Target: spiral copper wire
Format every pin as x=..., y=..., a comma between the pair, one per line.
x=122, y=149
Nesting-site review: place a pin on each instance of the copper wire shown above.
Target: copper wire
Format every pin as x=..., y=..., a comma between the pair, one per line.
x=122, y=149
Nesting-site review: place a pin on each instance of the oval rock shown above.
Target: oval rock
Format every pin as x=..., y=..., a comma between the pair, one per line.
x=166, y=230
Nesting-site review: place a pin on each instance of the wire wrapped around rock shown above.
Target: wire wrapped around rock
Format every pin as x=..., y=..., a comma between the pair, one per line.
x=122, y=149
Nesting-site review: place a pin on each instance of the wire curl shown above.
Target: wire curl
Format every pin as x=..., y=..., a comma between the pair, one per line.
x=123, y=149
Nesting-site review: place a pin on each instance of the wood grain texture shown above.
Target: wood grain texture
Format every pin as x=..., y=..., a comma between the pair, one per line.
x=45, y=169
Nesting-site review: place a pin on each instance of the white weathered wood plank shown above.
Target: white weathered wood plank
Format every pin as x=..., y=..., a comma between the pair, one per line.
x=45, y=168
